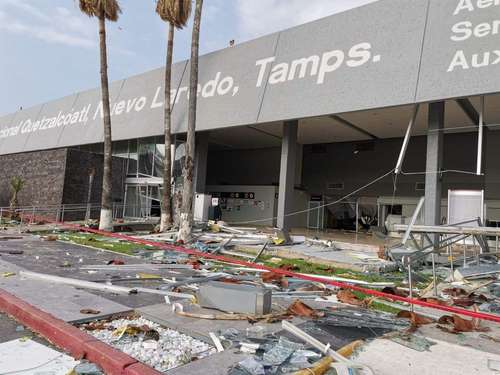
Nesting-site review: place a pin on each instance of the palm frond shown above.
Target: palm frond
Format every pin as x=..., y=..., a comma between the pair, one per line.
x=94, y=8
x=88, y=7
x=176, y=12
x=17, y=183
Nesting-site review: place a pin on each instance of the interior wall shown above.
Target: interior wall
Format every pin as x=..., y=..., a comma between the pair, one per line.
x=244, y=167
x=340, y=163
x=324, y=164
x=492, y=164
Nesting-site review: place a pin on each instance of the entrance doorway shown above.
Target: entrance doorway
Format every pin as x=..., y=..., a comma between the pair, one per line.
x=142, y=199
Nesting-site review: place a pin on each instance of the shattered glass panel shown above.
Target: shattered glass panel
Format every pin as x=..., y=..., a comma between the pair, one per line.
x=146, y=150
x=363, y=318
x=280, y=352
x=250, y=366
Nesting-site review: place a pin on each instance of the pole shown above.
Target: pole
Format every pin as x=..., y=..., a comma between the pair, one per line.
x=406, y=140
x=434, y=278
x=410, y=284
x=413, y=220
x=480, y=138
x=357, y=215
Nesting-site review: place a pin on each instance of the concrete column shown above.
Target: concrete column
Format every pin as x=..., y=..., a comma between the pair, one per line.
x=434, y=163
x=287, y=173
x=200, y=162
x=299, y=162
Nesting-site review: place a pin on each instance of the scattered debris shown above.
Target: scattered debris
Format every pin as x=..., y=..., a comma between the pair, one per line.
x=459, y=324
x=90, y=311
x=252, y=297
x=347, y=296
x=86, y=368
x=477, y=272
x=118, y=262
x=412, y=341
x=50, y=237
x=299, y=308
x=416, y=320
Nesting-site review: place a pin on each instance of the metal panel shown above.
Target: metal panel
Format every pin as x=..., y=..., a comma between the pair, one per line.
x=454, y=37
x=389, y=33
x=465, y=205
x=91, y=129
x=236, y=99
x=140, y=105
x=52, y=119
x=5, y=126
x=20, y=124
x=235, y=298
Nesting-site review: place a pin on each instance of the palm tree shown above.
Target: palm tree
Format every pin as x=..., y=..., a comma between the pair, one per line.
x=16, y=185
x=188, y=168
x=176, y=13
x=104, y=10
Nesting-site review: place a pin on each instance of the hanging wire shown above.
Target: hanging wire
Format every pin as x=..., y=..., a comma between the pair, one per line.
x=321, y=206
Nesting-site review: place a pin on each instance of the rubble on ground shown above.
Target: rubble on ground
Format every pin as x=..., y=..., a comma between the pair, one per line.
x=276, y=321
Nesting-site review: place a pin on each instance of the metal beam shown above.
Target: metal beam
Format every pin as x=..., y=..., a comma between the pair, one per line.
x=447, y=229
x=480, y=138
x=352, y=126
x=468, y=109
x=406, y=139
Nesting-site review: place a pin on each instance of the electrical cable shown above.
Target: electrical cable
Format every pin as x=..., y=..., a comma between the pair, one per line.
x=321, y=206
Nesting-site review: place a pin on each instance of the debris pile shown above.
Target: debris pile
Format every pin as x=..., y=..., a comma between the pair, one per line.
x=277, y=310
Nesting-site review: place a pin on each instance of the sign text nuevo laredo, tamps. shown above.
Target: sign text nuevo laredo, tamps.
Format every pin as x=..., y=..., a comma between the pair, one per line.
x=316, y=67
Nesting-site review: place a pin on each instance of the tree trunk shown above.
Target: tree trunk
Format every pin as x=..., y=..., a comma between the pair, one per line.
x=188, y=170
x=13, y=205
x=106, y=220
x=166, y=208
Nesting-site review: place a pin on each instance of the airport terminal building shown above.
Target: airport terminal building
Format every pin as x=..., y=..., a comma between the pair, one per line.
x=292, y=121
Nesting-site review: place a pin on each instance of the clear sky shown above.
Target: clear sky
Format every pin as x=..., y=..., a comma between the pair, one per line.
x=48, y=49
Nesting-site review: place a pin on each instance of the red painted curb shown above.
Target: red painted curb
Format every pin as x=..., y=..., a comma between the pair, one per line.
x=139, y=369
x=112, y=361
x=71, y=339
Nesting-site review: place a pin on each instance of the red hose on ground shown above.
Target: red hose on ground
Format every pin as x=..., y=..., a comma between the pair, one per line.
x=413, y=301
